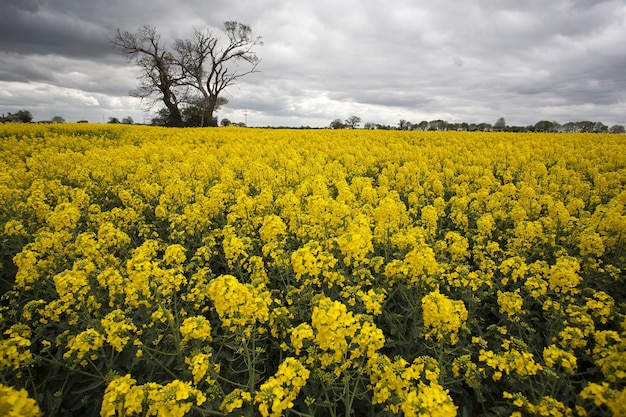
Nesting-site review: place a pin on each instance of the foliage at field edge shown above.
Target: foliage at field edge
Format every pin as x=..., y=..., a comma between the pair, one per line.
x=172, y=272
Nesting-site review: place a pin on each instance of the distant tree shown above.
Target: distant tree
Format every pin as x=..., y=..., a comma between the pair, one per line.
x=499, y=125
x=545, y=126
x=58, y=119
x=569, y=127
x=404, y=124
x=599, y=127
x=21, y=116
x=369, y=125
x=353, y=122
x=437, y=124
x=113, y=120
x=128, y=120
x=337, y=124
x=585, y=126
x=423, y=125
x=203, y=65
x=225, y=122
x=617, y=129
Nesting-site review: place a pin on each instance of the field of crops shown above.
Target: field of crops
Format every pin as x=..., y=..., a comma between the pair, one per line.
x=170, y=272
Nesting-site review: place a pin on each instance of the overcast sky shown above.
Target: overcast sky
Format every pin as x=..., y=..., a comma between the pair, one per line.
x=461, y=61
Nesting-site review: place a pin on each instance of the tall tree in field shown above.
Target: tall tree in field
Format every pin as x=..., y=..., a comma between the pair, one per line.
x=199, y=67
x=161, y=74
x=210, y=65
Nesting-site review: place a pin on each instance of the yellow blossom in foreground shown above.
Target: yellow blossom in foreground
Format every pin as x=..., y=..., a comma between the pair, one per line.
x=16, y=403
x=338, y=332
x=555, y=357
x=602, y=394
x=443, y=317
x=299, y=334
x=428, y=400
x=118, y=329
x=278, y=393
x=235, y=400
x=391, y=381
x=547, y=406
x=14, y=350
x=122, y=397
x=237, y=304
x=199, y=365
x=514, y=359
x=196, y=328
x=511, y=304
x=83, y=343
x=172, y=400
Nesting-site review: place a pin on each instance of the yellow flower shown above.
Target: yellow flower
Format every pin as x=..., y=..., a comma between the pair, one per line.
x=511, y=304
x=310, y=259
x=118, y=329
x=172, y=400
x=514, y=359
x=428, y=400
x=299, y=334
x=175, y=255
x=602, y=394
x=356, y=243
x=235, y=400
x=443, y=317
x=199, y=365
x=15, y=350
x=83, y=343
x=16, y=403
x=196, y=328
x=278, y=393
x=563, y=276
x=122, y=397
x=238, y=305
x=555, y=357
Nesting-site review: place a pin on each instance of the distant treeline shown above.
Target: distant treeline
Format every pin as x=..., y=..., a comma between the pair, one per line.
x=501, y=126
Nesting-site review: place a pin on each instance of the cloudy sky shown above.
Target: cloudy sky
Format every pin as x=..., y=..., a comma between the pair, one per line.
x=472, y=61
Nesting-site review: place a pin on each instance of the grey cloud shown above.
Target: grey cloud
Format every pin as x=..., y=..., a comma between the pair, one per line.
x=473, y=61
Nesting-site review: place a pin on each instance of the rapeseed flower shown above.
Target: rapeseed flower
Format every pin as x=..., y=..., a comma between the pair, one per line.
x=278, y=393
x=15, y=349
x=196, y=328
x=123, y=397
x=17, y=403
x=238, y=305
x=443, y=317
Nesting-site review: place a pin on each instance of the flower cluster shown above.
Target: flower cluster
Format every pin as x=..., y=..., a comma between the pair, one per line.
x=168, y=272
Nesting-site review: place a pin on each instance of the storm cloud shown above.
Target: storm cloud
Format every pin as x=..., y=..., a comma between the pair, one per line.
x=415, y=60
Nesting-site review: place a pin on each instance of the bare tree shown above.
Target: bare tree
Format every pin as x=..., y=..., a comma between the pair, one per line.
x=211, y=80
x=202, y=66
x=161, y=73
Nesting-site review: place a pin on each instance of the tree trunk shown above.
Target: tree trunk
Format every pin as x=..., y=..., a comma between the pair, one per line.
x=175, y=119
x=210, y=109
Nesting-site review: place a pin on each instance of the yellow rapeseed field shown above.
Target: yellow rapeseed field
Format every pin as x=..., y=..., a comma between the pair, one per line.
x=210, y=272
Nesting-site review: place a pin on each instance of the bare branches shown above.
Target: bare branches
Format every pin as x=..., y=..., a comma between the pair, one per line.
x=203, y=63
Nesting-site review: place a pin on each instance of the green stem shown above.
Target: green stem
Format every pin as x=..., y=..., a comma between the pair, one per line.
x=61, y=365
x=158, y=362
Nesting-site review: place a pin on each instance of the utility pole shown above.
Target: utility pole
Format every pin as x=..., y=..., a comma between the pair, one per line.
x=245, y=113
